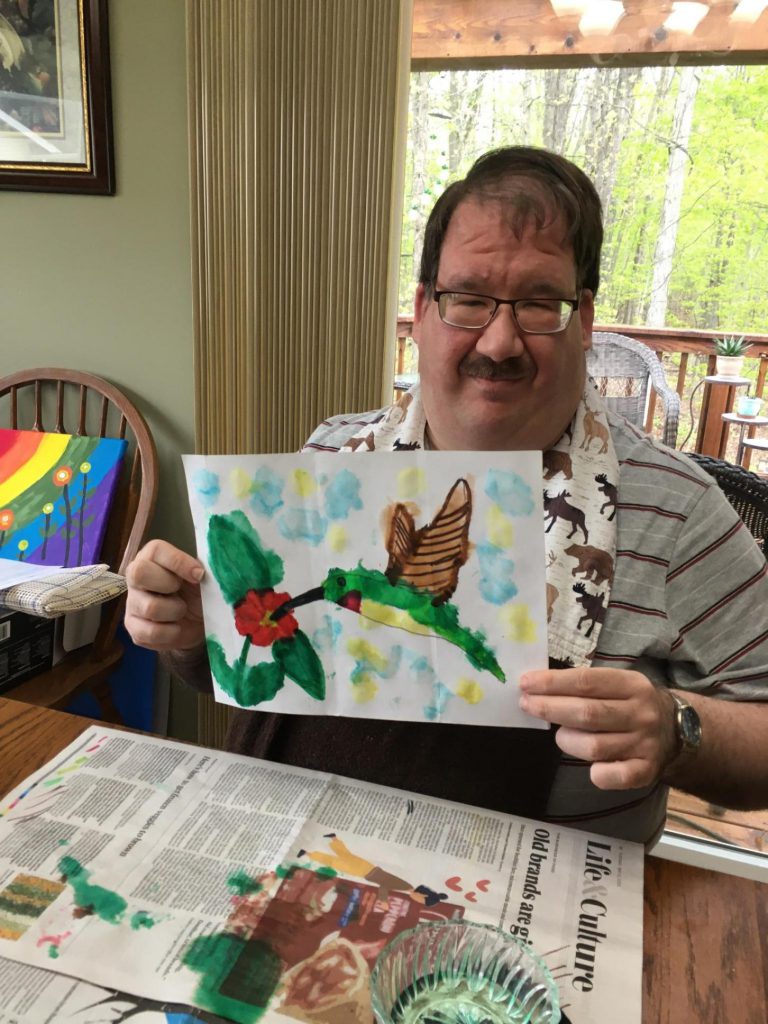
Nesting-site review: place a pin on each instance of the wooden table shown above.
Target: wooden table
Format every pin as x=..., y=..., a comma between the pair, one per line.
x=743, y=422
x=705, y=934
x=719, y=394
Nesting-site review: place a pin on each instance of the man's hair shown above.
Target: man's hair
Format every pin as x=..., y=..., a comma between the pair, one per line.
x=532, y=185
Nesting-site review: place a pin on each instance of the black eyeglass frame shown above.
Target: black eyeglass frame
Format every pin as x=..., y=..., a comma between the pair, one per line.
x=573, y=303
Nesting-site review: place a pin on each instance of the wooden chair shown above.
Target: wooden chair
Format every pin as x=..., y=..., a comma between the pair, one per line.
x=623, y=369
x=71, y=402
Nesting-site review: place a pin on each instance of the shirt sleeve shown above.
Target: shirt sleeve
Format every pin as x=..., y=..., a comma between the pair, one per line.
x=192, y=667
x=717, y=604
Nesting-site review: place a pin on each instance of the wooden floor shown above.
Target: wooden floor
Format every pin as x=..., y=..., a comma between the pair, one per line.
x=693, y=817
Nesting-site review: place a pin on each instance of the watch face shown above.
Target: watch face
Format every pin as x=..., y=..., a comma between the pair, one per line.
x=690, y=727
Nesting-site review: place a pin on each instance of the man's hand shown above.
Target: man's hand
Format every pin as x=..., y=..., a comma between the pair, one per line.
x=616, y=719
x=164, y=611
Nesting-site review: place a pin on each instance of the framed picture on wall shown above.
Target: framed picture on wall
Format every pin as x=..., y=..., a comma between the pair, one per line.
x=55, y=102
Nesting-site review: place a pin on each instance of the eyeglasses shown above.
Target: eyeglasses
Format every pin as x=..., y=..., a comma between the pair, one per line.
x=533, y=316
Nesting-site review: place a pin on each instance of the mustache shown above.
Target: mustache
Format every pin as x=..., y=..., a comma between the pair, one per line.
x=488, y=369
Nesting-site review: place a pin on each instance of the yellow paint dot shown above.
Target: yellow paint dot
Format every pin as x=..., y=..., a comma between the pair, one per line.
x=23, y=545
x=303, y=483
x=365, y=690
x=411, y=482
x=499, y=527
x=362, y=650
x=469, y=691
x=240, y=483
x=517, y=624
x=337, y=538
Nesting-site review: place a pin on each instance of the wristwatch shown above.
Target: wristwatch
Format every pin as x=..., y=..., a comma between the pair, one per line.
x=687, y=729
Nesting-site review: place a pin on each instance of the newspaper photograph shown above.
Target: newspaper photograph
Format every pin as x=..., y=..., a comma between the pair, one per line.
x=140, y=876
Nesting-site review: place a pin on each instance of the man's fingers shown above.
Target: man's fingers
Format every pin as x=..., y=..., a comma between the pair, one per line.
x=582, y=713
x=158, y=636
x=582, y=682
x=634, y=773
x=156, y=608
x=172, y=559
x=605, y=746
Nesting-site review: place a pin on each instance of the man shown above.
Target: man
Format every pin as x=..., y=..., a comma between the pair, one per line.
x=658, y=630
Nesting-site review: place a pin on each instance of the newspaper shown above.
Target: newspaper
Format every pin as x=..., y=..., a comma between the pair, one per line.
x=166, y=872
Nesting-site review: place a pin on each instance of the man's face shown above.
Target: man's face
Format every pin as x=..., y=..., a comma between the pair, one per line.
x=496, y=388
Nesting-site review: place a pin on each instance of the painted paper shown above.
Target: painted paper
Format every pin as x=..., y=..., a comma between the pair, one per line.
x=402, y=586
x=55, y=495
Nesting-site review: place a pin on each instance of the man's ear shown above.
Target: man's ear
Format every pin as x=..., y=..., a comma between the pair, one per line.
x=420, y=304
x=586, y=317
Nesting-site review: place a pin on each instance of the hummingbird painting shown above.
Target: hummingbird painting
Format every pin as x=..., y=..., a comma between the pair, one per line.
x=421, y=575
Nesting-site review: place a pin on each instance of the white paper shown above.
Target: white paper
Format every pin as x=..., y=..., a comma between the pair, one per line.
x=421, y=576
x=13, y=572
x=164, y=846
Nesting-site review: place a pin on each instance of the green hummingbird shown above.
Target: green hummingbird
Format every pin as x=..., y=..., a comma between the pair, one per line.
x=421, y=575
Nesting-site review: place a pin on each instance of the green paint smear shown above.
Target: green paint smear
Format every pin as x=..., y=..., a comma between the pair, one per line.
x=142, y=919
x=287, y=870
x=326, y=872
x=248, y=685
x=299, y=661
x=243, y=885
x=53, y=952
x=237, y=976
x=442, y=619
x=238, y=559
x=105, y=903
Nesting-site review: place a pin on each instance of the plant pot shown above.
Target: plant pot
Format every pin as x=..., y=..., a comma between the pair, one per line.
x=748, y=406
x=728, y=366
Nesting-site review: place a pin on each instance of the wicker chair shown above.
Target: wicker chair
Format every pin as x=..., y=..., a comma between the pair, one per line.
x=71, y=402
x=622, y=368
x=747, y=492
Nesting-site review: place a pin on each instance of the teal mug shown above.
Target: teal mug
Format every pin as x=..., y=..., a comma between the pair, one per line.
x=746, y=405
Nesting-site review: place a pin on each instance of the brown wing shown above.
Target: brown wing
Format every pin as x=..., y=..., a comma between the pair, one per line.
x=430, y=558
x=400, y=541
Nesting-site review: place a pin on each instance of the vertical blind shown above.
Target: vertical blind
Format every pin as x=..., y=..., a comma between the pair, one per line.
x=297, y=114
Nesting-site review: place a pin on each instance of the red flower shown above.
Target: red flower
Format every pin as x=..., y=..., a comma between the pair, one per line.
x=253, y=618
x=62, y=476
x=6, y=519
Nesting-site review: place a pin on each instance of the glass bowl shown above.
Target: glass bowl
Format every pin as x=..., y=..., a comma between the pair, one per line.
x=458, y=972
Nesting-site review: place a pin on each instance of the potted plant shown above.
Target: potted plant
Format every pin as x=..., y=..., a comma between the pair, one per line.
x=730, y=351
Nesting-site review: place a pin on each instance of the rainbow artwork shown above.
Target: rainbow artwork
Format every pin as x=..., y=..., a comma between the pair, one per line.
x=55, y=494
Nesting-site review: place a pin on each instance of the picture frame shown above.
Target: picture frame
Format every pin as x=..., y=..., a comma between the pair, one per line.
x=55, y=97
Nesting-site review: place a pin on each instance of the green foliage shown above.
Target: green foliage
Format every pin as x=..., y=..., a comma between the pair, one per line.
x=731, y=345
x=238, y=559
x=617, y=123
x=299, y=661
x=246, y=685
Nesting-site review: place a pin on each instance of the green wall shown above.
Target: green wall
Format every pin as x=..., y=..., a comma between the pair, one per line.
x=103, y=283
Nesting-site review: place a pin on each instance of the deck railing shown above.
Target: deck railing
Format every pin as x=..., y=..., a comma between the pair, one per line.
x=687, y=357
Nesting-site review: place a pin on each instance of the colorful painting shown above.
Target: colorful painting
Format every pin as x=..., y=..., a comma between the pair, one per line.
x=402, y=586
x=55, y=495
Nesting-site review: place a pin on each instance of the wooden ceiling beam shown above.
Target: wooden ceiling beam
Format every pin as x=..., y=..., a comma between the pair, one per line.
x=496, y=33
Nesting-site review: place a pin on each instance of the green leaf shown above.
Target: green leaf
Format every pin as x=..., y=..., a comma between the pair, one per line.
x=261, y=683
x=237, y=558
x=222, y=671
x=255, y=684
x=298, y=659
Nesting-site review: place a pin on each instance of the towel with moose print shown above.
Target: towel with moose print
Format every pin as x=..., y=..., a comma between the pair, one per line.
x=581, y=474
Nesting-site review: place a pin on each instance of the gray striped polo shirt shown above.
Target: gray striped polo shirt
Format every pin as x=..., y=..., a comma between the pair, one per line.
x=688, y=605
